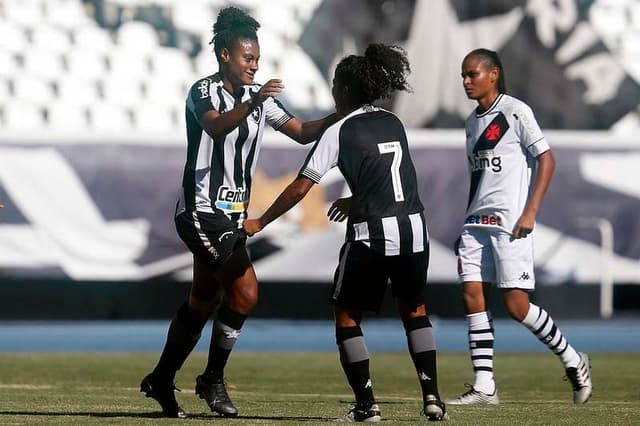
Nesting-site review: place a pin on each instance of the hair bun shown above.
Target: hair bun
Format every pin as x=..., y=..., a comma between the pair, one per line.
x=375, y=51
x=233, y=17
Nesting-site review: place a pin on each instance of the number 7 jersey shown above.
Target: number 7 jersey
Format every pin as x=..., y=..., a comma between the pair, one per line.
x=369, y=146
x=502, y=145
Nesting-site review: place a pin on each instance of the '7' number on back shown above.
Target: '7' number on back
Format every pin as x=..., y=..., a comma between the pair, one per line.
x=396, y=149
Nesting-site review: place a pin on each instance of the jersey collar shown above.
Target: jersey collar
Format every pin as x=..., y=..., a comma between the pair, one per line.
x=493, y=105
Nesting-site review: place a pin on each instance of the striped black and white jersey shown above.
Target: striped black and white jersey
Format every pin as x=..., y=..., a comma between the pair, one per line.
x=218, y=171
x=502, y=144
x=369, y=146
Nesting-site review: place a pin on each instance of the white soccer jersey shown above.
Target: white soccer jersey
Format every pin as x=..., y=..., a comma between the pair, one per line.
x=502, y=144
x=218, y=171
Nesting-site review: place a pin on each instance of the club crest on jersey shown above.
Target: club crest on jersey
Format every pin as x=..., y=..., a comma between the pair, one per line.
x=493, y=132
x=256, y=113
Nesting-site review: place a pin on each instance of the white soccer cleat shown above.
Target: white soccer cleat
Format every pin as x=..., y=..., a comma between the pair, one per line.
x=474, y=397
x=580, y=378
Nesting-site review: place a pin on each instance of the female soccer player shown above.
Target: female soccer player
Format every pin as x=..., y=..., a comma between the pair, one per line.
x=504, y=147
x=386, y=231
x=225, y=114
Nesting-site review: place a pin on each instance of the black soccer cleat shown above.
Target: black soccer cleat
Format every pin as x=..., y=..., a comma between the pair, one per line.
x=368, y=413
x=214, y=392
x=163, y=393
x=434, y=409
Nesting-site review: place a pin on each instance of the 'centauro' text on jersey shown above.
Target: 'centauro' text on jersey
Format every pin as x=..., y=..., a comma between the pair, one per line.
x=502, y=144
x=369, y=146
x=217, y=175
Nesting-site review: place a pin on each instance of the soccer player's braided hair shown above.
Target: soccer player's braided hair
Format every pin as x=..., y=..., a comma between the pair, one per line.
x=492, y=60
x=232, y=24
x=382, y=70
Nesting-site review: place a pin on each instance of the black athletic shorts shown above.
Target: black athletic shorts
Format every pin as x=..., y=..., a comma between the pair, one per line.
x=362, y=275
x=211, y=237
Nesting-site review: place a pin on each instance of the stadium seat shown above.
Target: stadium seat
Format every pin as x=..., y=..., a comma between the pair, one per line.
x=19, y=115
x=137, y=36
x=152, y=119
x=272, y=43
x=24, y=12
x=278, y=18
x=68, y=14
x=206, y=64
x=33, y=89
x=8, y=64
x=159, y=91
x=92, y=37
x=86, y=63
x=121, y=91
x=109, y=118
x=300, y=74
x=12, y=36
x=5, y=91
x=193, y=17
x=51, y=38
x=44, y=63
x=77, y=91
x=67, y=117
x=125, y=63
x=171, y=64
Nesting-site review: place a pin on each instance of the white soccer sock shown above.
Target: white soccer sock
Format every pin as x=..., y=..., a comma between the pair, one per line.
x=481, y=349
x=540, y=323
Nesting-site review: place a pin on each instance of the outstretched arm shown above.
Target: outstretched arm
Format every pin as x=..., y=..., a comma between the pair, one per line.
x=285, y=201
x=216, y=124
x=546, y=166
x=307, y=131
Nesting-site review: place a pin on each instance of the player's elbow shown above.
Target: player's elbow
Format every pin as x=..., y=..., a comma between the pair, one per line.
x=301, y=186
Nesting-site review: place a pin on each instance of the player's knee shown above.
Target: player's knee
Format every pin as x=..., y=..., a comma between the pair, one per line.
x=516, y=311
x=473, y=301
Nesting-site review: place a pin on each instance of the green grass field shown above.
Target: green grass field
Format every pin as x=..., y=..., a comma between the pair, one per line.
x=307, y=388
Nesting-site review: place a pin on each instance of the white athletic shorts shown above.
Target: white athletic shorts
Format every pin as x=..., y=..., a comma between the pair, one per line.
x=493, y=256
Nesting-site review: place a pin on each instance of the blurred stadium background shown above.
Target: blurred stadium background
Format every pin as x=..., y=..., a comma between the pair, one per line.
x=92, y=145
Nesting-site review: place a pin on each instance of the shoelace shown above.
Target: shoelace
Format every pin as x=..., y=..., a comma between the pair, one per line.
x=471, y=390
x=574, y=378
x=221, y=392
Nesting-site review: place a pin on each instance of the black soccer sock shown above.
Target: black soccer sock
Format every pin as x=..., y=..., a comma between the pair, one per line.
x=354, y=359
x=422, y=347
x=226, y=330
x=182, y=337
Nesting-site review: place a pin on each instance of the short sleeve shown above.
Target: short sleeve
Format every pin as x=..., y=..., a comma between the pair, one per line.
x=200, y=99
x=275, y=113
x=323, y=156
x=529, y=133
